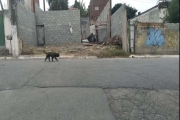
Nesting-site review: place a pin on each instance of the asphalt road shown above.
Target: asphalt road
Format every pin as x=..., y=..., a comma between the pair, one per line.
x=85, y=89
x=158, y=73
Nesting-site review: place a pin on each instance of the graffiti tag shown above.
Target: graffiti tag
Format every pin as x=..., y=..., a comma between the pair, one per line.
x=155, y=38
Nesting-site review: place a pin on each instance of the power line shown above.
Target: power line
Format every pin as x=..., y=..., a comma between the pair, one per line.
x=147, y=1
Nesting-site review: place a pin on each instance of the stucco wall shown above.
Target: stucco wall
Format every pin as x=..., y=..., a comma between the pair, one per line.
x=164, y=42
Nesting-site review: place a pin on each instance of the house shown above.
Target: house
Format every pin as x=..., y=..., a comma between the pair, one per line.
x=154, y=14
x=95, y=8
x=30, y=4
x=8, y=26
x=150, y=34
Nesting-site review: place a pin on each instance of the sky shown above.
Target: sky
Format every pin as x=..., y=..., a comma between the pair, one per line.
x=140, y=5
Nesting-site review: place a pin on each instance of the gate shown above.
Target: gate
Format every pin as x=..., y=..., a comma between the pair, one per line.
x=40, y=35
x=2, y=37
x=132, y=30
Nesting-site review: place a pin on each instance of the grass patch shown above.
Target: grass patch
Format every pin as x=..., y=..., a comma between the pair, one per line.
x=114, y=52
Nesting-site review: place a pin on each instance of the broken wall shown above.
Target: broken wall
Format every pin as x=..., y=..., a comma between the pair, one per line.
x=119, y=26
x=56, y=26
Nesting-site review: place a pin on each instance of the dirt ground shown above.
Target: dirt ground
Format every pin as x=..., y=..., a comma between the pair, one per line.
x=69, y=49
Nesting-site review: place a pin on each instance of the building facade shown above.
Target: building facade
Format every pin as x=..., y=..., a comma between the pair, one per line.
x=30, y=4
x=95, y=8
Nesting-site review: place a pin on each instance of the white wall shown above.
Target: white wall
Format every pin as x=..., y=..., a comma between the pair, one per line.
x=7, y=31
x=11, y=30
x=153, y=15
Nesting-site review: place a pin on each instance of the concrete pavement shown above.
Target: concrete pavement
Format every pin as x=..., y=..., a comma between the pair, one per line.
x=54, y=104
x=139, y=104
x=92, y=89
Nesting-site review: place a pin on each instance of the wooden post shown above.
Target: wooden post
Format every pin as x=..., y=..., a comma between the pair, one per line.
x=110, y=19
x=44, y=4
x=108, y=26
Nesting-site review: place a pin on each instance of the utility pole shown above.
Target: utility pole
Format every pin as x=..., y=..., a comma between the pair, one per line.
x=44, y=4
x=2, y=7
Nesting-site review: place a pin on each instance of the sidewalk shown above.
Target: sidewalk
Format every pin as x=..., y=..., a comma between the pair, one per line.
x=43, y=57
x=154, y=56
x=85, y=57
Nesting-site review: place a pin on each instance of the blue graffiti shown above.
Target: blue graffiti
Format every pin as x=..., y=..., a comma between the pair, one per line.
x=155, y=38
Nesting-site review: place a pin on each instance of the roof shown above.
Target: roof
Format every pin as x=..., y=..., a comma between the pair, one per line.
x=145, y=12
x=160, y=4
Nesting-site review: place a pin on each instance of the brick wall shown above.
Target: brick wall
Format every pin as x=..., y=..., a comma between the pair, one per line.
x=119, y=26
x=168, y=45
x=26, y=25
x=56, y=25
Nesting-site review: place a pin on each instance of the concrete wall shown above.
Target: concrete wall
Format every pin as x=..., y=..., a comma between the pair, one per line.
x=26, y=25
x=104, y=13
x=154, y=15
x=85, y=27
x=157, y=39
x=11, y=30
x=119, y=26
x=56, y=25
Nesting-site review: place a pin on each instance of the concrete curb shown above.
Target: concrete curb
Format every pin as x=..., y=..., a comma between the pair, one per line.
x=154, y=56
x=87, y=57
x=42, y=57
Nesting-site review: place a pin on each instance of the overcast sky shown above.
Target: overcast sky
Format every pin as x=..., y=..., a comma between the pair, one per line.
x=140, y=5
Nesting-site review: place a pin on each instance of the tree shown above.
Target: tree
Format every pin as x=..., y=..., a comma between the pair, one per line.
x=131, y=12
x=173, y=12
x=81, y=6
x=58, y=4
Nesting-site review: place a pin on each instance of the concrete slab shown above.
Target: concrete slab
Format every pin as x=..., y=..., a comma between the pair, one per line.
x=54, y=104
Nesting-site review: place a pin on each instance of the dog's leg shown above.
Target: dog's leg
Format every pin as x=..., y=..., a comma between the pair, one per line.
x=49, y=59
x=46, y=58
x=52, y=59
x=56, y=59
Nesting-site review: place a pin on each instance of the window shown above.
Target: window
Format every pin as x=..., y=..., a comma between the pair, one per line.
x=96, y=8
x=21, y=0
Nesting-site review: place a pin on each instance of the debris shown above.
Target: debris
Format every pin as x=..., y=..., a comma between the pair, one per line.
x=91, y=38
x=116, y=40
x=87, y=44
x=85, y=41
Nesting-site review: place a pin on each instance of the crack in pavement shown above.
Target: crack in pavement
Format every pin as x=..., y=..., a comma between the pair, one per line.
x=32, y=77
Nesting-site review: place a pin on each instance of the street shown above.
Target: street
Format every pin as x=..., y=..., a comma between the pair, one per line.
x=90, y=89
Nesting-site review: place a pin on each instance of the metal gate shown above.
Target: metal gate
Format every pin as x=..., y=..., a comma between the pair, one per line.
x=132, y=30
x=40, y=35
x=2, y=37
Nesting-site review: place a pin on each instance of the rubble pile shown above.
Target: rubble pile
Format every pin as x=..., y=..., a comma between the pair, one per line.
x=116, y=40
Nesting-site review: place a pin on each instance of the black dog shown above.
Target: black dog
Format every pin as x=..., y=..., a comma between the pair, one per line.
x=52, y=55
